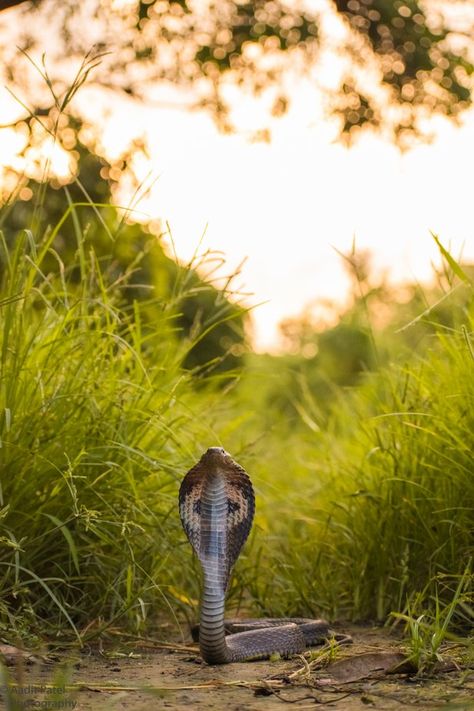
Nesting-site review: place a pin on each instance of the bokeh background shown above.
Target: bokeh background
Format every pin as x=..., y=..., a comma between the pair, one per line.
x=248, y=225
x=281, y=130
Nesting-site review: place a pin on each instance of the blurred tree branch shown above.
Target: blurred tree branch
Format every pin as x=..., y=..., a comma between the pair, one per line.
x=5, y=4
x=400, y=62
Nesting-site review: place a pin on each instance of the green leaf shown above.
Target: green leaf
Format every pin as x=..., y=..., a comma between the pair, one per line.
x=70, y=541
x=451, y=261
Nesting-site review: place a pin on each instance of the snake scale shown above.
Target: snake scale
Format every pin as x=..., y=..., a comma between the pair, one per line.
x=217, y=506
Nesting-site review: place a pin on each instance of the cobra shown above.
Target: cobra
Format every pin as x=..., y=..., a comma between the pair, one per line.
x=217, y=506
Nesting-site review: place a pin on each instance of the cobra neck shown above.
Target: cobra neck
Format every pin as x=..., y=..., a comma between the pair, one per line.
x=213, y=556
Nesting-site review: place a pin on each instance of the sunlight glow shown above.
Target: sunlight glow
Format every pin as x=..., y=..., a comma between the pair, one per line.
x=285, y=205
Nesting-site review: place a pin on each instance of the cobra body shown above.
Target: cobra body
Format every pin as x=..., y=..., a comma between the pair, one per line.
x=217, y=505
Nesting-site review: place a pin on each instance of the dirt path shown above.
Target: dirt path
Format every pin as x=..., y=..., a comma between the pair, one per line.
x=359, y=677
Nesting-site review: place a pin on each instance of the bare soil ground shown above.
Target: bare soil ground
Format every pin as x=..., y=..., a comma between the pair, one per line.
x=368, y=674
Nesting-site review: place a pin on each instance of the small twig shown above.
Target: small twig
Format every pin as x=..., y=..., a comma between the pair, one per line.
x=214, y=684
x=322, y=657
x=157, y=643
x=305, y=670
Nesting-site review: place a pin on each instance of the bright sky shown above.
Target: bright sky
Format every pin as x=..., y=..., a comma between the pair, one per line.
x=284, y=206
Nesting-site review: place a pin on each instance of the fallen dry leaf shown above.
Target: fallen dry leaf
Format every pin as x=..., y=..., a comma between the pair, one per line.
x=362, y=666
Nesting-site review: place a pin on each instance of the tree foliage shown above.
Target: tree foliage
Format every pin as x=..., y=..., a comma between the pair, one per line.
x=398, y=61
x=206, y=321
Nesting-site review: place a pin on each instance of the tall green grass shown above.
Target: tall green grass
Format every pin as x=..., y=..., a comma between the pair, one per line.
x=96, y=430
x=364, y=513
x=376, y=511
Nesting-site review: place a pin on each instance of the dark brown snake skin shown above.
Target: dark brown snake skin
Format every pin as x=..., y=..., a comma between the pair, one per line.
x=217, y=505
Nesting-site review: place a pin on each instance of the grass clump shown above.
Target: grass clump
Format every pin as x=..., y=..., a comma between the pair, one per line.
x=429, y=633
x=377, y=509
x=95, y=431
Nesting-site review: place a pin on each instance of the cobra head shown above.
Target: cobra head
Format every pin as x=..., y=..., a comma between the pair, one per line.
x=217, y=506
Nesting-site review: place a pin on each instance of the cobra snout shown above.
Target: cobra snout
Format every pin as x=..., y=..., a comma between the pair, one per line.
x=216, y=450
